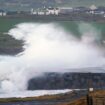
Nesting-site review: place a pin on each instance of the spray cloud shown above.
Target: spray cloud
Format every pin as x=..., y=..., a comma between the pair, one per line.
x=48, y=48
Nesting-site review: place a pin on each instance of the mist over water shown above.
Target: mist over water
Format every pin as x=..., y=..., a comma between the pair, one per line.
x=49, y=48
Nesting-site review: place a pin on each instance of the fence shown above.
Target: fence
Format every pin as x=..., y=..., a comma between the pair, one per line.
x=95, y=100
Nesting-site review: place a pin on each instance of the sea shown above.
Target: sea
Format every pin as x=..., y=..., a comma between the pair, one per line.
x=49, y=46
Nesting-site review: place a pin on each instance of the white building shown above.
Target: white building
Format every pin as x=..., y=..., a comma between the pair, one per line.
x=65, y=10
x=41, y=13
x=91, y=12
x=93, y=7
x=57, y=10
x=33, y=12
x=37, y=12
x=52, y=11
x=48, y=11
x=2, y=13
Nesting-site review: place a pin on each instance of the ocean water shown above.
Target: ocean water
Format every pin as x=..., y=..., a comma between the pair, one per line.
x=49, y=47
x=35, y=93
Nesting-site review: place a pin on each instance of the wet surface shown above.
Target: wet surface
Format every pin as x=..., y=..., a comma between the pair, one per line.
x=68, y=97
x=31, y=103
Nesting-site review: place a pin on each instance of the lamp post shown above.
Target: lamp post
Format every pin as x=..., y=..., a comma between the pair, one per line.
x=90, y=89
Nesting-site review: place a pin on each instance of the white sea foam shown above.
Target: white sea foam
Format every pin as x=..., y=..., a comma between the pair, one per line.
x=34, y=93
x=48, y=48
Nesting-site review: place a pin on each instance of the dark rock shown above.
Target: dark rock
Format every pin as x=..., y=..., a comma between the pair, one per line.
x=68, y=80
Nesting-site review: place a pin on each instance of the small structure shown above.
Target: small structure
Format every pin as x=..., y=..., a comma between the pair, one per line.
x=41, y=13
x=57, y=11
x=91, y=89
x=12, y=13
x=3, y=13
x=92, y=9
x=81, y=9
x=38, y=12
x=98, y=11
x=52, y=11
x=33, y=12
x=66, y=10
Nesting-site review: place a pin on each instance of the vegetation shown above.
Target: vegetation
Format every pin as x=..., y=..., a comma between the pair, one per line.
x=81, y=101
x=66, y=97
x=9, y=45
x=69, y=98
x=40, y=98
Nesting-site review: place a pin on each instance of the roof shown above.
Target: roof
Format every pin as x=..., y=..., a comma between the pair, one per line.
x=51, y=8
x=101, y=8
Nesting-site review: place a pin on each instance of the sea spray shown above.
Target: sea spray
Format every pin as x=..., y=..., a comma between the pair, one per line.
x=89, y=33
x=48, y=48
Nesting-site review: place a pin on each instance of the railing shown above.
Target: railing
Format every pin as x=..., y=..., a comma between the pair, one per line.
x=97, y=100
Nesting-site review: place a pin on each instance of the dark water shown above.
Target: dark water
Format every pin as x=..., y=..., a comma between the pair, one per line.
x=64, y=98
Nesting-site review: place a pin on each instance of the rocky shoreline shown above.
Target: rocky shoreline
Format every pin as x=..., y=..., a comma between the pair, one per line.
x=68, y=80
x=46, y=99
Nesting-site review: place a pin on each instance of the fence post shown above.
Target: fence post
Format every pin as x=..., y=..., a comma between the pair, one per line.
x=89, y=100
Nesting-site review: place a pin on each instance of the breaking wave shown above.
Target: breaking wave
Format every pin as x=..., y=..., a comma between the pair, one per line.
x=49, y=48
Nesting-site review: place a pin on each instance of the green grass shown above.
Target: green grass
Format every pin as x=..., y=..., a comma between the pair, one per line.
x=7, y=23
x=6, y=40
x=57, y=97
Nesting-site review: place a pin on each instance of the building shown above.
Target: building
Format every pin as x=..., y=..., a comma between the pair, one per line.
x=98, y=11
x=81, y=10
x=41, y=13
x=3, y=13
x=38, y=11
x=33, y=12
x=66, y=10
x=57, y=11
x=52, y=11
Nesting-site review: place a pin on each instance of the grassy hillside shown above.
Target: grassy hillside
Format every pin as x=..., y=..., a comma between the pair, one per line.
x=63, y=99
x=70, y=98
x=9, y=45
x=28, y=4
